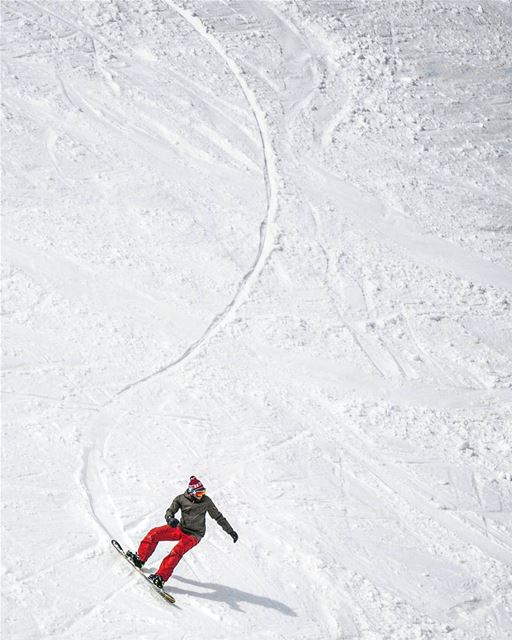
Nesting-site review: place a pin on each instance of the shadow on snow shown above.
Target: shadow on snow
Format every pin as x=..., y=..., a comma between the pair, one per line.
x=222, y=593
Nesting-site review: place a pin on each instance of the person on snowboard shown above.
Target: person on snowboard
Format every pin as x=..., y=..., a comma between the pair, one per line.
x=194, y=504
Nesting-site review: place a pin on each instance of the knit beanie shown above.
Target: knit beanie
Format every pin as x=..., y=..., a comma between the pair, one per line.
x=195, y=485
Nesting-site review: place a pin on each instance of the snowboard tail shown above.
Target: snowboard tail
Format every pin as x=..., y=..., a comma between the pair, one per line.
x=161, y=592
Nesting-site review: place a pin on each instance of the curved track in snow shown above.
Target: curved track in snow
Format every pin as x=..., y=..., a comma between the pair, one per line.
x=267, y=232
x=93, y=460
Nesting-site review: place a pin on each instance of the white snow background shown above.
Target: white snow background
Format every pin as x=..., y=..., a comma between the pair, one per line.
x=267, y=243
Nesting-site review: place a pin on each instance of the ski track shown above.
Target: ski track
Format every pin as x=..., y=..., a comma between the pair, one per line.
x=90, y=480
x=267, y=232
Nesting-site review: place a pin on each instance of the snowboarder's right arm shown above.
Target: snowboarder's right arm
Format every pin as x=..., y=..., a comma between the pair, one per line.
x=170, y=514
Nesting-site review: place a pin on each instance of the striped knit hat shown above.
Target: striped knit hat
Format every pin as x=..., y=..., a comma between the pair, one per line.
x=195, y=485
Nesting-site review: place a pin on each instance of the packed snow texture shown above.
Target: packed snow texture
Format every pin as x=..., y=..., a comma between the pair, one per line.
x=267, y=243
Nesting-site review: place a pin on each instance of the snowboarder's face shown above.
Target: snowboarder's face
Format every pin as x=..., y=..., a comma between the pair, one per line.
x=199, y=495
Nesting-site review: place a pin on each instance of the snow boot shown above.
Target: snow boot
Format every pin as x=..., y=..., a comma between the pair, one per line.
x=134, y=559
x=156, y=580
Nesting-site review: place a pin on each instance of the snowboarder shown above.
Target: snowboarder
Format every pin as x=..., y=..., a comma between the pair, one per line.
x=194, y=504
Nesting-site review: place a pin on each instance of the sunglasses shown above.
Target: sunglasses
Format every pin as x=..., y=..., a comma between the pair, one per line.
x=199, y=494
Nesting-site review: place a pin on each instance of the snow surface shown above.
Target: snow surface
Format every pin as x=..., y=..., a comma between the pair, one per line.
x=266, y=243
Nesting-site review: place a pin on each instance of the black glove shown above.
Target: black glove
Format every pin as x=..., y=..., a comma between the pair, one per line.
x=234, y=535
x=172, y=521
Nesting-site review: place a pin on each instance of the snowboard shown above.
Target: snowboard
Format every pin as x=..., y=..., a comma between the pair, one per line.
x=161, y=592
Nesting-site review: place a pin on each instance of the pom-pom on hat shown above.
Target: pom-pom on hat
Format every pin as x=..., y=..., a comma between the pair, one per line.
x=195, y=485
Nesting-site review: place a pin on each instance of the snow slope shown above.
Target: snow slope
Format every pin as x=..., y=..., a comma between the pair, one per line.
x=266, y=243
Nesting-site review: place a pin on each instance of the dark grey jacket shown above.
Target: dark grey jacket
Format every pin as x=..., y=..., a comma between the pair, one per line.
x=193, y=515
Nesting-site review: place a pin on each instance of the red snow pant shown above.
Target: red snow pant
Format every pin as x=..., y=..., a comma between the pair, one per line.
x=167, y=533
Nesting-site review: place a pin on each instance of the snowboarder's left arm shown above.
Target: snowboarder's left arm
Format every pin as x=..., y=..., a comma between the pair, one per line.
x=221, y=520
